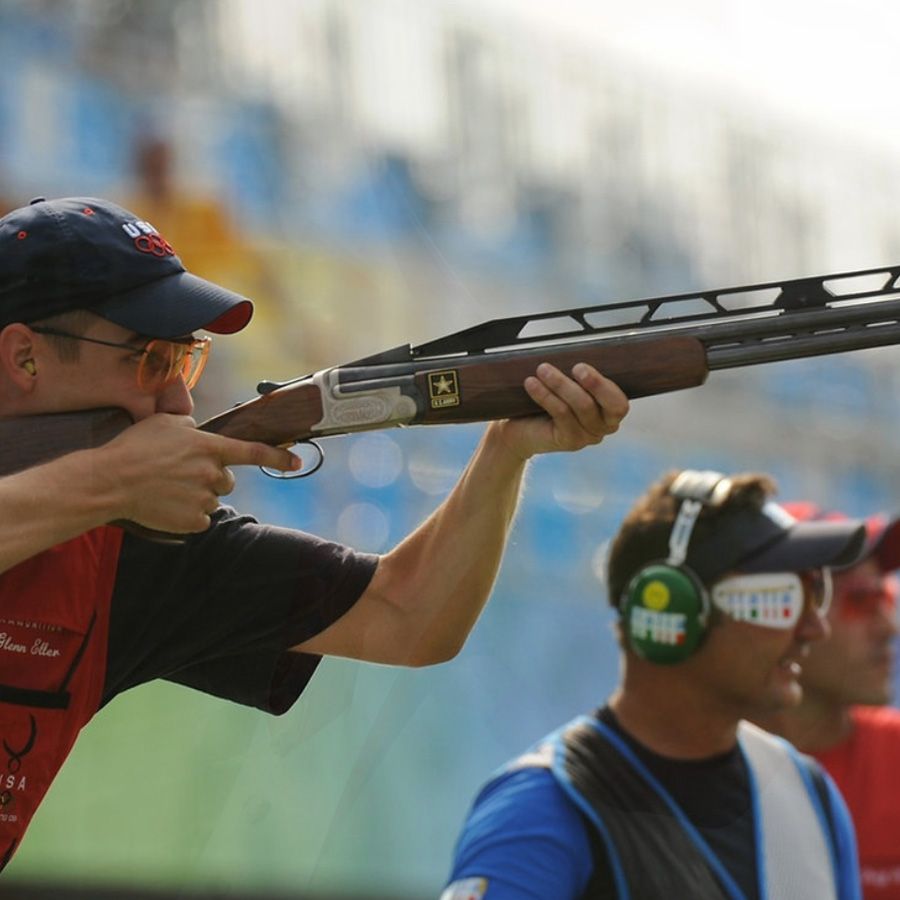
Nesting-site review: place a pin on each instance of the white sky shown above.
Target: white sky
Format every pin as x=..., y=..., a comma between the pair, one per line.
x=833, y=61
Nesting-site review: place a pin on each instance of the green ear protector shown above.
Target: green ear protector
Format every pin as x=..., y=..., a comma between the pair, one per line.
x=665, y=608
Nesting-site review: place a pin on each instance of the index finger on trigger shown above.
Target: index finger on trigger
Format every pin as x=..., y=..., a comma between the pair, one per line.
x=254, y=453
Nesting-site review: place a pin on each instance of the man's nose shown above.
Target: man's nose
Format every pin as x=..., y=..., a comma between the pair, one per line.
x=175, y=398
x=813, y=625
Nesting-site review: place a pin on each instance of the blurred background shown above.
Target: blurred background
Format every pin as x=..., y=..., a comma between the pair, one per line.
x=386, y=172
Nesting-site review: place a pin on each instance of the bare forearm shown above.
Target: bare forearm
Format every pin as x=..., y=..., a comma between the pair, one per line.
x=50, y=504
x=441, y=576
x=428, y=592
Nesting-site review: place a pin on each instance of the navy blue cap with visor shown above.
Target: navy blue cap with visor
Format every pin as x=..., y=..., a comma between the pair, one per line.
x=85, y=253
x=772, y=540
x=882, y=532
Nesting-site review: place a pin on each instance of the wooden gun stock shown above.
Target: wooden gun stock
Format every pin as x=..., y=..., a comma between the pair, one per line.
x=35, y=440
x=490, y=386
x=439, y=392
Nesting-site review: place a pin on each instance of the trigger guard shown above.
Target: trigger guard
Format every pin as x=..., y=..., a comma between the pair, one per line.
x=302, y=472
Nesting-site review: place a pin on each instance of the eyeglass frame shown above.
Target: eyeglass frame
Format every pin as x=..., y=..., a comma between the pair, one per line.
x=203, y=344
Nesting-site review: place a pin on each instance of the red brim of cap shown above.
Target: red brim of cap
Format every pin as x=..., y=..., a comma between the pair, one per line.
x=232, y=321
x=178, y=305
x=883, y=541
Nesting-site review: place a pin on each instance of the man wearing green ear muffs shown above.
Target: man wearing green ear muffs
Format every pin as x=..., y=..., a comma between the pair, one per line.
x=666, y=790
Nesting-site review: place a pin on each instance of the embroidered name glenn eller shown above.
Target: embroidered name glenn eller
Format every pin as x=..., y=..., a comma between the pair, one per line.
x=38, y=648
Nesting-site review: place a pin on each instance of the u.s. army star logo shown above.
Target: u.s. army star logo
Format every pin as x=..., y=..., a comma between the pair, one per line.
x=443, y=389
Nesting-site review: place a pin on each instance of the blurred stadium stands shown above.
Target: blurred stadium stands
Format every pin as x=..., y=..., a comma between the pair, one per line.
x=377, y=175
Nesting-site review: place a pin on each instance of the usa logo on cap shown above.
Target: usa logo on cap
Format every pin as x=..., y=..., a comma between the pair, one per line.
x=147, y=239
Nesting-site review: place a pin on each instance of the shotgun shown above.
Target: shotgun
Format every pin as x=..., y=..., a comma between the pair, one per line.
x=647, y=347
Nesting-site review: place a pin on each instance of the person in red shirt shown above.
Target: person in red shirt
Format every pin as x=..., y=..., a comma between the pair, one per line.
x=844, y=720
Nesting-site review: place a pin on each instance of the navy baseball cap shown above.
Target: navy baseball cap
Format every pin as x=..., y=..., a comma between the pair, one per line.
x=85, y=253
x=882, y=532
x=772, y=539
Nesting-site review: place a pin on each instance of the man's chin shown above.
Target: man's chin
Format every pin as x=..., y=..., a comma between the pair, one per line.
x=788, y=695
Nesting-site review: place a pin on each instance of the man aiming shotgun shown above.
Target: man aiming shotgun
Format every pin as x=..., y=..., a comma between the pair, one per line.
x=646, y=347
x=96, y=311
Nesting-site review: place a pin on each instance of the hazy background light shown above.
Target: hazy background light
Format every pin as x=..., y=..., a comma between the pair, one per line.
x=364, y=525
x=832, y=63
x=579, y=496
x=376, y=460
x=430, y=474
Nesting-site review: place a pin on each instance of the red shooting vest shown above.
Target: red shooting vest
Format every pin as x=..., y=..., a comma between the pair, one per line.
x=54, y=625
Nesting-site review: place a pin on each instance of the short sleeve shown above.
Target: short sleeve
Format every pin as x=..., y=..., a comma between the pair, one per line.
x=220, y=612
x=523, y=840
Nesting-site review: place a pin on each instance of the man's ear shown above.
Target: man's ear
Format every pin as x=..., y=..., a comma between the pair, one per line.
x=17, y=356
